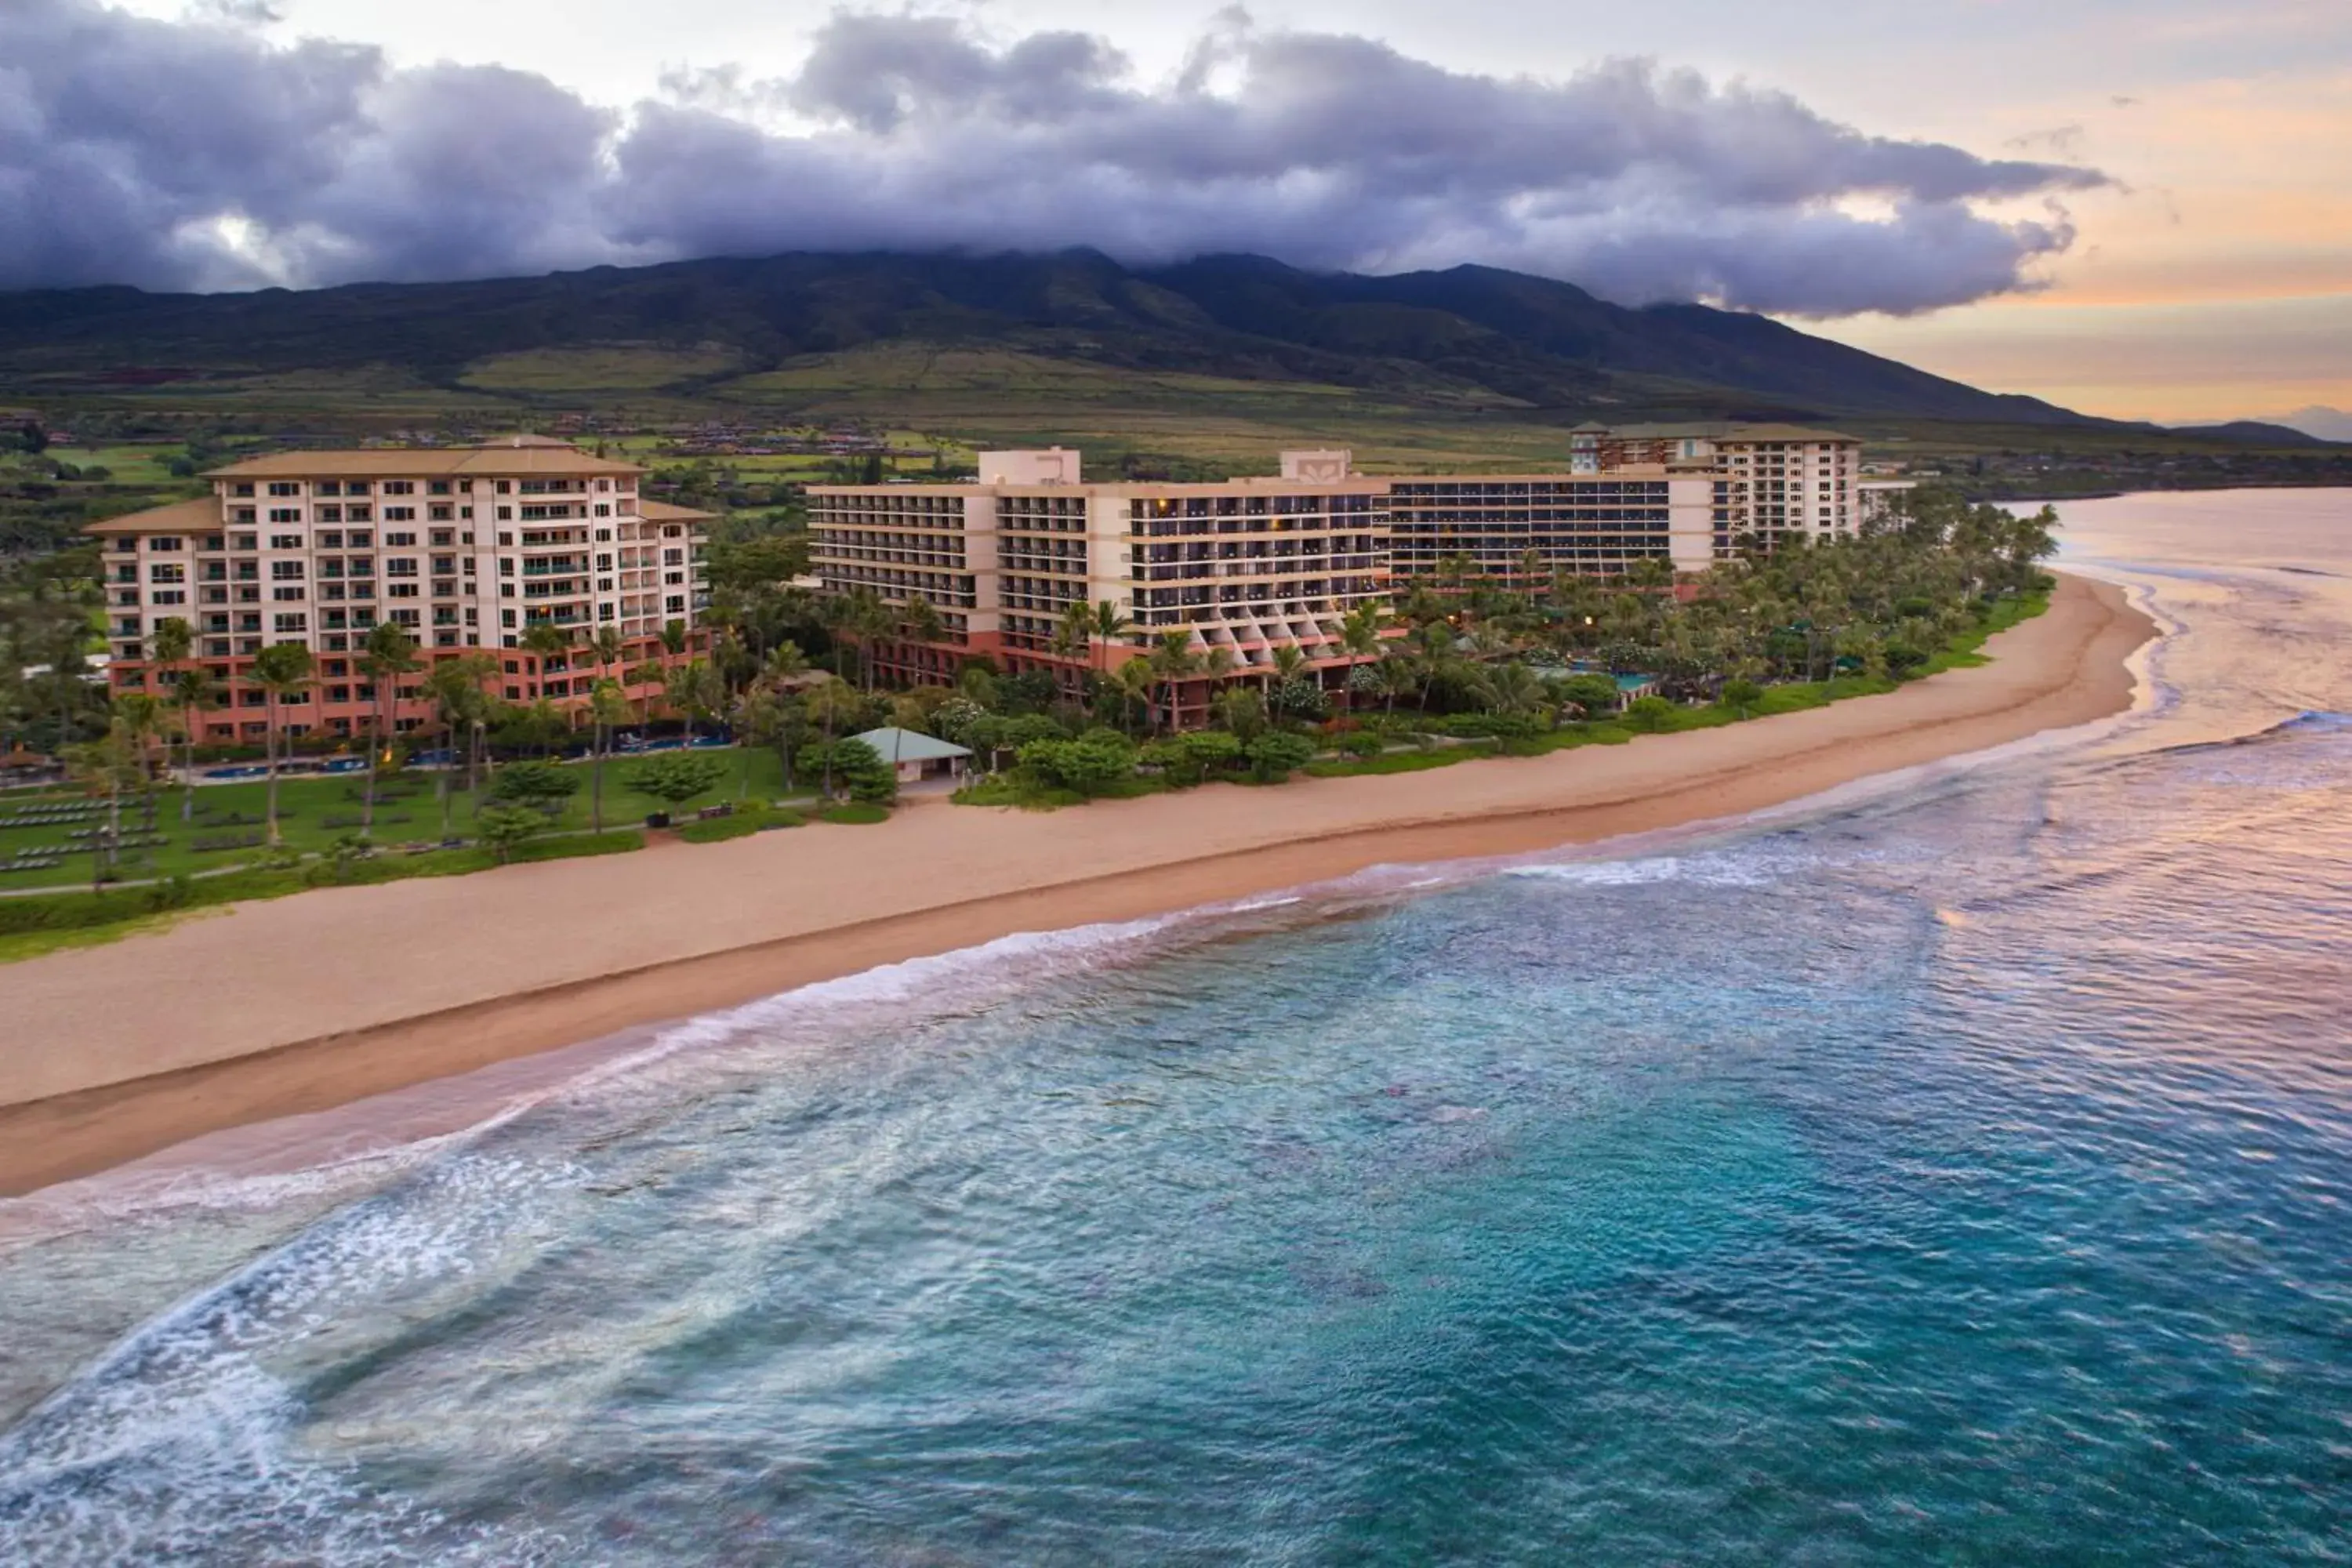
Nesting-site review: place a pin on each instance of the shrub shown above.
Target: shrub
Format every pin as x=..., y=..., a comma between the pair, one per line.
x=534, y=784
x=1090, y=765
x=1363, y=745
x=1740, y=696
x=676, y=777
x=1276, y=755
x=1591, y=695
x=1649, y=715
x=503, y=829
x=1299, y=697
x=858, y=812
x=858, y=770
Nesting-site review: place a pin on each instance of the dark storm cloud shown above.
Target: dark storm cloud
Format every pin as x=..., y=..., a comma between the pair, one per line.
x=196, y=155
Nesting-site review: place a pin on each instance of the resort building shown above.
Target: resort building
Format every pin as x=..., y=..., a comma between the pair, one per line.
x=468, y=548
x=1248, y=566
x=1771, y=480
x=1242, y=566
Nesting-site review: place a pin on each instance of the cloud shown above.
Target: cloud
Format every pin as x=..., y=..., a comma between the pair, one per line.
x=198, y=154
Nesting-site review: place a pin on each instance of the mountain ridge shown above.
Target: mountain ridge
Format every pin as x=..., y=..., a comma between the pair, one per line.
x=1533, y=343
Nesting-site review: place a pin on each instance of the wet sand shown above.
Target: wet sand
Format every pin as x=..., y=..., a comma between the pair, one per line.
x=301, y=1004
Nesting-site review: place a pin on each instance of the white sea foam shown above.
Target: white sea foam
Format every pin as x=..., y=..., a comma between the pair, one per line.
x=182, y=1430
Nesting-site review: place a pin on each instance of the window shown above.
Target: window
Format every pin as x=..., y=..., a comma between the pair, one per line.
x=361, y=539
x=400, y=514
x=167, y=571
x=285, y=542
x=290, y=593
x=163, y=542
x=412, y=619
x=170, y=596
x=285, y=514
x=400, y=567
x=330, y=515
x=327, y=488
x=284, y=488
x=439, y=513
x=215, y=541
x=240, y=489
x=286, y=570
x=359, y=514
x=443, y=538
x=287, y=625
x=330, y=541
x=505, y=514
x=399, y=486
x=355, y=486
x=399, y=541
x=241, y=514
x=437, y=488
x=505, y=487
x=401, y=591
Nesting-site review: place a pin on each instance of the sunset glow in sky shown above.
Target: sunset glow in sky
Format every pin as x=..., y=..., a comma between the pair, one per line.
x=2134, y=207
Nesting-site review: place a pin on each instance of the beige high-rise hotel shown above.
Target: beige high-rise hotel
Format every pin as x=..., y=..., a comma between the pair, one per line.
x=464, y=547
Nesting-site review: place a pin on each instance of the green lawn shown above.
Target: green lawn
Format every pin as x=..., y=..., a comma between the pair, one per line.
x=313, y=813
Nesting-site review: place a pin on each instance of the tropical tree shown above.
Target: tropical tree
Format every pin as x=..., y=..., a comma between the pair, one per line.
x=1172, y=661
x=833, y=704
x=193, y=693
x=389, y=654
x=645, y=678
x=280, y=670
x=454, y=688
x=1106, y=625
x=141, y=719
x=607, y=707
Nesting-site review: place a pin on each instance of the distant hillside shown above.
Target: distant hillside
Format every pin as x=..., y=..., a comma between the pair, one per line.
x=2252, y=433
x=787, y=330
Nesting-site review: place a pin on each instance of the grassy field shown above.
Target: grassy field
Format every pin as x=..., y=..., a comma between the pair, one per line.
x=314, y=813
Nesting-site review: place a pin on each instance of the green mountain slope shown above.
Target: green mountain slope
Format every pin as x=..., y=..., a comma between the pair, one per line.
x=1470, y=339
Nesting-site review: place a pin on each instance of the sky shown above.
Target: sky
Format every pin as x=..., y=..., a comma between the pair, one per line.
x=2138, y=209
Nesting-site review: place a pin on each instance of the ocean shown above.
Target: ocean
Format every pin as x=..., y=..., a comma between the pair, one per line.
x=1954, y=1169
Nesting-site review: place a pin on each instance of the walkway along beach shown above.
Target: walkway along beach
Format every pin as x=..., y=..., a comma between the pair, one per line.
x=305, y=1003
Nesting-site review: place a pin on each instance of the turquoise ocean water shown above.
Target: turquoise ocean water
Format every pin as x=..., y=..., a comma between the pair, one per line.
x=1953, y=1170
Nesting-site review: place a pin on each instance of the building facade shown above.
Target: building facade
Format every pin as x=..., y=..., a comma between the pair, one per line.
x=465, y=548
x=1251, y=565
x=1242, y=566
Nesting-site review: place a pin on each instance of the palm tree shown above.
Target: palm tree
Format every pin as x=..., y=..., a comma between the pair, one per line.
x=141, y=717
x=454, y=687
x=830, y=704
x=1172, y=661
x=673, y=638
x=389, y=654
x=1133, y=681
x=1072, y=636
x=643, y=677
x=1513, y=691
x=608, y=649
x=280, y=669
x=785, y=663
x=1106, y=625
x=544, y=641
x=607, y=706
x=193, y=691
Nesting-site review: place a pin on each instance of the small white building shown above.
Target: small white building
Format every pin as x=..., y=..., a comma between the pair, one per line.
x=915, y=756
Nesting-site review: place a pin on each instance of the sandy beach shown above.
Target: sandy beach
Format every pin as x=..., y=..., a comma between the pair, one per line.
x=305, y=1003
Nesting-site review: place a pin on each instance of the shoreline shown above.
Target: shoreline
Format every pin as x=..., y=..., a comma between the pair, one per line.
x=308, y=1003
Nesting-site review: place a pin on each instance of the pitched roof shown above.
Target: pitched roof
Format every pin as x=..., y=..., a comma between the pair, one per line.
x=515, y=455
x=896, y=745
x=661, y=512
x=180, y=517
